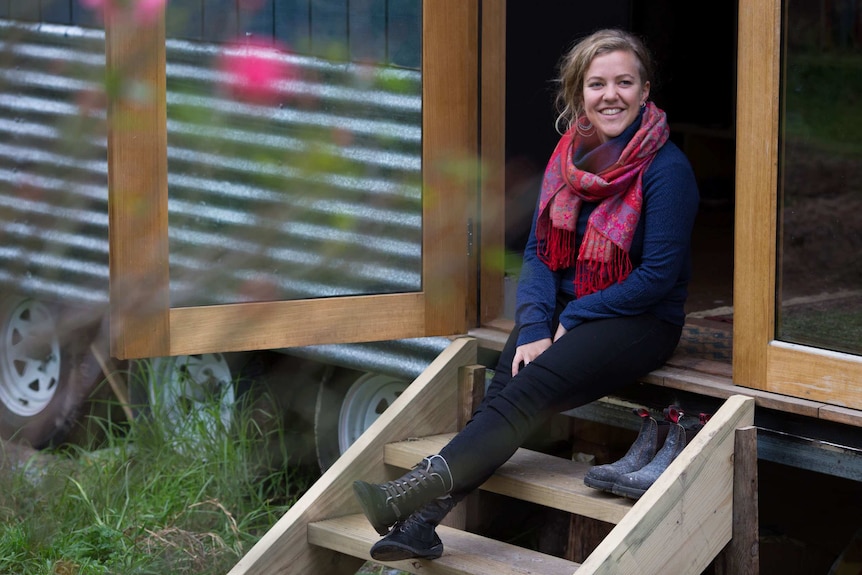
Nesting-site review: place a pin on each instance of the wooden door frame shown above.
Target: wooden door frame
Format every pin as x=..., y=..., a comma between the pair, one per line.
x=143, y=324
x=760, y=360
x=487, y=303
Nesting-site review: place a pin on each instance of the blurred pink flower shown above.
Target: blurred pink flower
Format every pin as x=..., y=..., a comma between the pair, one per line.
x=254, y=70
x=143, y=11
x=148, y=11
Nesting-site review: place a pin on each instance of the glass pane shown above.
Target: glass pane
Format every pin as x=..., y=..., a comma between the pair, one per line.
x=294, y=158
x=53, y=170
x=820, y=267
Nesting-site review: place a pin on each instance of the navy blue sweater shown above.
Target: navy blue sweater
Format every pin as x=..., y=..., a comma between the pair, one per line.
x=660, y=256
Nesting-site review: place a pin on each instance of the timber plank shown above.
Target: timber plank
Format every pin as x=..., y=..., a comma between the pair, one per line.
x=744, y=556
x=531, y=476
x=428, y=405
x=683, y=361
x=841, y=415
x=723, y=387
x=464, y=553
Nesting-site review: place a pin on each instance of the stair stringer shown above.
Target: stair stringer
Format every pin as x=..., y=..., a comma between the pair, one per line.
x=429, y=406
x=685, y=519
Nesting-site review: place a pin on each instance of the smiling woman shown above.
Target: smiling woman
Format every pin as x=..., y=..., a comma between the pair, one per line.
x=601, y=294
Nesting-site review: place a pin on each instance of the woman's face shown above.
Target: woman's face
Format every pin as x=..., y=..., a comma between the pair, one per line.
x=613, y=92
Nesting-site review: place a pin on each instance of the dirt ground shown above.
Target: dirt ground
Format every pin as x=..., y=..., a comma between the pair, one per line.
x=13, y=455
x=821, y=245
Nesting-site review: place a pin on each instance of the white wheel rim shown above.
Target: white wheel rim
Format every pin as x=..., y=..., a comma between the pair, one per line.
x=193, y=395
x=365, y=401
x=30, y=358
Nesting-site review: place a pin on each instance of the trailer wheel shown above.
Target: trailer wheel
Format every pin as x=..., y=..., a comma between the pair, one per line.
x=189, y=397
x=45, y=376
x=347, y=404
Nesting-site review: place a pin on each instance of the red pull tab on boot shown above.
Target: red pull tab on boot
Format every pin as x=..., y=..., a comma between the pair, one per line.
x=673, y=413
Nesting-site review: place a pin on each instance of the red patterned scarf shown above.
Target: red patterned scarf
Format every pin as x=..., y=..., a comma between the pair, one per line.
x=603, y=258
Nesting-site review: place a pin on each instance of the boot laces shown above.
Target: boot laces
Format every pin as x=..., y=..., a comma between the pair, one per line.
x=417, y=480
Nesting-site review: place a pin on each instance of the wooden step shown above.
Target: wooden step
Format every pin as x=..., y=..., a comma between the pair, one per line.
x=464, y=553
x=530, y=476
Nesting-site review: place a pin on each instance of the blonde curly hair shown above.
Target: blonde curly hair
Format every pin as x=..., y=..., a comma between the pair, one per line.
x=569, y=100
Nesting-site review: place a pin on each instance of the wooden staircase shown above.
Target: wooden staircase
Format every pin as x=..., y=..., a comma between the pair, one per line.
x=679, y=525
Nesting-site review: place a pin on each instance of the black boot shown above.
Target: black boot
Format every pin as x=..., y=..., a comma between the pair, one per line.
x=635, y=484
x=639, y=454
x=416, y=537
x=387, y=503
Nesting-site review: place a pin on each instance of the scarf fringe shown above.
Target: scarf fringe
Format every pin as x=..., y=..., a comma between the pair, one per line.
x=594, y=275
x=558, y=252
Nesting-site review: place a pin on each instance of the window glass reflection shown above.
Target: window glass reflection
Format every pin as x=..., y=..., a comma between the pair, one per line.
x=294, y=150
x=820, y=243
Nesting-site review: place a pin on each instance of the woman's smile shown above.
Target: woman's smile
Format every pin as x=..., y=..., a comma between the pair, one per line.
x=613, y=93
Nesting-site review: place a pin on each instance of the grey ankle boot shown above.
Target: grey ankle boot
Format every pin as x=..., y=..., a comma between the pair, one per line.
x=416, y=537
x=633, y=485
x=387, y=503
x=639, y=454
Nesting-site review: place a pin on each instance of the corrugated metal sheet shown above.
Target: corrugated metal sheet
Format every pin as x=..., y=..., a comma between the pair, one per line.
x=53, y=192
x=317, y=196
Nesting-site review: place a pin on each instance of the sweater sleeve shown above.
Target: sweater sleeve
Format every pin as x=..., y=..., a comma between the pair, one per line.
x=669, y=210
x=537, y=293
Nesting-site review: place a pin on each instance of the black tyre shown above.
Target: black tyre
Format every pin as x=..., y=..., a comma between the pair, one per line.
x=45, y=375
x=348, y=402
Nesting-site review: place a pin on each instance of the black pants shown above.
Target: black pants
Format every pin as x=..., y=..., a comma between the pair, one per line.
x=591, y=361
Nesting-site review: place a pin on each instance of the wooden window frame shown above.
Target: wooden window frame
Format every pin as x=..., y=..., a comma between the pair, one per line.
x=760, y=360
x=143, y=324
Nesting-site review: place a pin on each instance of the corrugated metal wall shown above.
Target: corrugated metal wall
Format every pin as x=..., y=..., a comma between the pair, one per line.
x=386, y=32
x=318, y=195
x=53, y=190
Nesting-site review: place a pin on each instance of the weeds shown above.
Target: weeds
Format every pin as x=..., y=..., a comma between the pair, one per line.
x=143, y=501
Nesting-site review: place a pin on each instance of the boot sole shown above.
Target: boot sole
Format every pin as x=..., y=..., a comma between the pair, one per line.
x=600, y=485
x=628, y=492
x=365, y=495
x=393, y=551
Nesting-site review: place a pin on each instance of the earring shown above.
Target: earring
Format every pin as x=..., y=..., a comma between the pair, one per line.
x=584, y=130
x=643, y=104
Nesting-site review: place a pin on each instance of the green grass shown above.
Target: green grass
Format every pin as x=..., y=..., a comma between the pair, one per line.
x=134, y=498
x=139, y=502
x=837, y=327
x=822, y=101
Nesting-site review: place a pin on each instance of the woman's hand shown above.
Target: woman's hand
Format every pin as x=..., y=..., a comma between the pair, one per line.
x=561, y=331
x=528, y=352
